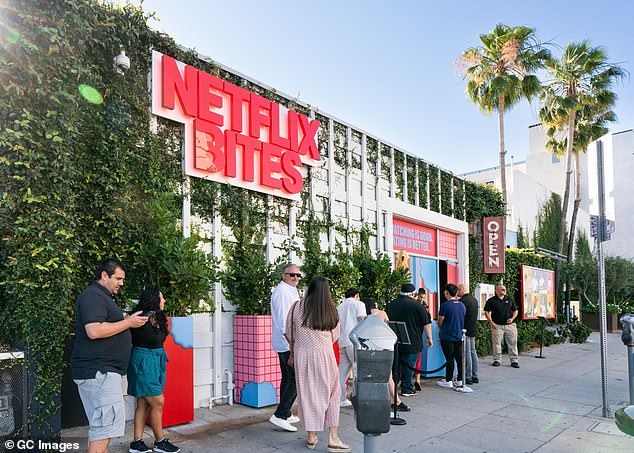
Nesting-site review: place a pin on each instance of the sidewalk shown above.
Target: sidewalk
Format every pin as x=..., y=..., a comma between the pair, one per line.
x=548, y=405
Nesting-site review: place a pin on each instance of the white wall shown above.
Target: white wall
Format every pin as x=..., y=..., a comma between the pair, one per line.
x=533, y=182
x=356, y=197
x=621, y=243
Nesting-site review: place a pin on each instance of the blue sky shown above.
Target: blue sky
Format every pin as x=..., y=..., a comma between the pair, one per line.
x=387, y=67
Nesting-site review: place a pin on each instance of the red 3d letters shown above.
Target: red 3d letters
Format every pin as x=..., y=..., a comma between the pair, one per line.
x=238, y=134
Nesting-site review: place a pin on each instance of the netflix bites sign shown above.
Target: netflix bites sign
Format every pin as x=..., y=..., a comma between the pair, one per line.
x=232, y=135
x=493, y=230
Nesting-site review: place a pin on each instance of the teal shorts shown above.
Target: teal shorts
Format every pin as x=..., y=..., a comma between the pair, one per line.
x=146, y=372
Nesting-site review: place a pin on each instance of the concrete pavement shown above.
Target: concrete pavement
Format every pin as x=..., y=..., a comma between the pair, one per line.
x=547, y=405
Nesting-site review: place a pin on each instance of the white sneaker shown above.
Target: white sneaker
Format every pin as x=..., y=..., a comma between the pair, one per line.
x=345, y=403
x=457, y=383
x=447, y=384
x=293, y=419
x=284, y=424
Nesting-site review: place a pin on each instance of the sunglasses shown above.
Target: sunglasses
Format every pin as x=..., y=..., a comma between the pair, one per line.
x=293, y=274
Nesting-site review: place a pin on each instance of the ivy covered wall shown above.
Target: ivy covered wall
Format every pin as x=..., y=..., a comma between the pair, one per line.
x=83, y=162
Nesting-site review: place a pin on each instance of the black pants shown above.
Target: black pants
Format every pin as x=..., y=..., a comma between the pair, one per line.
x=452, y=351
x=288, y=388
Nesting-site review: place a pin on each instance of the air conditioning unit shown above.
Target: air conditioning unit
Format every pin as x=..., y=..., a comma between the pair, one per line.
x=13, y=394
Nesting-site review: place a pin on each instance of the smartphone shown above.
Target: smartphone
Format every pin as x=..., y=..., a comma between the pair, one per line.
x=148, y=313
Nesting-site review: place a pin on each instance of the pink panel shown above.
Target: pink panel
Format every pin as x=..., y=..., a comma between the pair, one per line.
x=254, y=357
x=447, y=244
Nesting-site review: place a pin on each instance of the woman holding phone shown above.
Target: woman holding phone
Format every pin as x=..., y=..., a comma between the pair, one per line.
x=146, y=373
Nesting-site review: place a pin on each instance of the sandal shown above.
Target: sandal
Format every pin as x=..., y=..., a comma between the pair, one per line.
x=313, y=445
x=342, y=448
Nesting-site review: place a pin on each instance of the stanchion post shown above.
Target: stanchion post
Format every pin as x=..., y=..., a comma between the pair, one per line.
x=464, y=360
x=463, y=388
x=541, y=338
x=395, y=420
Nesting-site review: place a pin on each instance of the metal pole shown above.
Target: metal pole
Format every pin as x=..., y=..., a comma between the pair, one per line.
x=369, y=443
x=541, y=339
x=601, y=264
x=395, y=420
x=630, y=366
x=464, y=361
x=464, y=388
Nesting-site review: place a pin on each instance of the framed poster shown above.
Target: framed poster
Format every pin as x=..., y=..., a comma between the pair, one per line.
x=538, y=292
x=483, y=292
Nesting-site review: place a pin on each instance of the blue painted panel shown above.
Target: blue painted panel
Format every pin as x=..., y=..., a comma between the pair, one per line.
x=258, y=395
x=182, y=329
x=433, y=358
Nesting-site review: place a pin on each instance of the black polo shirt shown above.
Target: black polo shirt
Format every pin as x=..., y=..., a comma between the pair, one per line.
x=413, y=314
x=501, y=309
x=96, y=304
x=471, y=317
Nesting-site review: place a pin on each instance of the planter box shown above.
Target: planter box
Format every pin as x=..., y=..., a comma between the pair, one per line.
x=179, y=381
x=257, y=372
x=592, y=320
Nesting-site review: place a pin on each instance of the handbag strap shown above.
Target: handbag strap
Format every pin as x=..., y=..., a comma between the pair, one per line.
x=292, y=325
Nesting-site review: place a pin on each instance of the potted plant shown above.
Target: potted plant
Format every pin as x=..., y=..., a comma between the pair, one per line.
x=185, y=275
x=247, y=282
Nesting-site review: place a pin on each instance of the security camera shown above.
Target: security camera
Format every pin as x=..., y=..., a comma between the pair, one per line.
x=121, y=63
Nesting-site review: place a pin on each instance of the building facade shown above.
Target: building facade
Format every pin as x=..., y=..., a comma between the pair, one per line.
x=244, y=133
x=531, y=183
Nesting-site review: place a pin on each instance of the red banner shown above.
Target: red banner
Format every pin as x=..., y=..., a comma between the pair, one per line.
x=493, y=229
x=413, y=238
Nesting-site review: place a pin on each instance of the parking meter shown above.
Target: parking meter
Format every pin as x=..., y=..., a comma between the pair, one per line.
x=624, y=417
x=627, y=334
x=374, y=351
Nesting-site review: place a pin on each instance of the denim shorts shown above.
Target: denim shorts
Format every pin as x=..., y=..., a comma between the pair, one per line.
x=102, y=398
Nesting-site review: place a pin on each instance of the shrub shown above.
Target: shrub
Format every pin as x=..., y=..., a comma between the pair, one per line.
x=579, y=332
x=173, y=263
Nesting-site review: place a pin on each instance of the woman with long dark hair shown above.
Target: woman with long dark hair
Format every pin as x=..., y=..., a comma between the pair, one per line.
x=146, y=372
x=312, y=327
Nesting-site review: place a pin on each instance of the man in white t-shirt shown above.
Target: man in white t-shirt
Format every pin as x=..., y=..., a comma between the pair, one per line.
x=283, y=297
x=351, y=311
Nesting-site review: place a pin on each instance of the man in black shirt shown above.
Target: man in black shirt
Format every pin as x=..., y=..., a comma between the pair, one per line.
x=405, y=309
x=501, y=311
x=471, y=325
x=101, y=354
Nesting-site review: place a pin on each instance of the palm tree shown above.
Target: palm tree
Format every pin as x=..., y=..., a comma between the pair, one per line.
x=576, y=106
x=500, y=73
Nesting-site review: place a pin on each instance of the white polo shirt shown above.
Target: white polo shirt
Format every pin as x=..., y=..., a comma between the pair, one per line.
x=349, y=311
x=281, y=301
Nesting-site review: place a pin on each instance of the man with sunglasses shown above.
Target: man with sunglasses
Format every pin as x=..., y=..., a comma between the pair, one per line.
x=501, y=311
x=283, y=297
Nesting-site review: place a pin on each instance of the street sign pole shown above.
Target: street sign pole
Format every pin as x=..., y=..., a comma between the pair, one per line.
x=601, y=233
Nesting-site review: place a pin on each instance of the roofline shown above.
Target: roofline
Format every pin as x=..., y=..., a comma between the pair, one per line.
x=475, y=172
x=316, y=109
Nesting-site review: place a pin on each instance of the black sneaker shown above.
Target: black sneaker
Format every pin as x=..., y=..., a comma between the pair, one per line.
x=475, y=380
x=138, y=446
x=469, y=381
x=165, y=446
x=515, y=365
x=409, y=393
x=402, y=407
x=496, y=363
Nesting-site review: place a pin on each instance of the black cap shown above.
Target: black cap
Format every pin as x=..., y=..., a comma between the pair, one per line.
x=408, y=288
